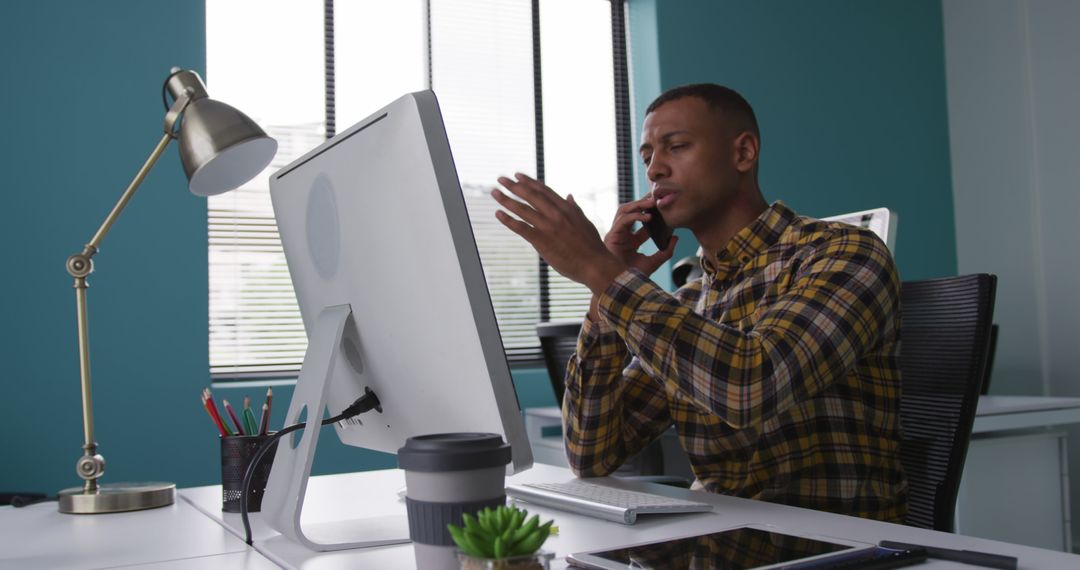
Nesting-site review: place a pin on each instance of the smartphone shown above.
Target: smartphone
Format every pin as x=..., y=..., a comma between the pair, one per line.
x=658, y=230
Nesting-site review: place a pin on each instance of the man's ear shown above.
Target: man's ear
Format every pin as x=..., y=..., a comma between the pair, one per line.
x=746, y=147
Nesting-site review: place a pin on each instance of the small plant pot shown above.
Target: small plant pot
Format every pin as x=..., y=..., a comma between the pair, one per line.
x=538, y=561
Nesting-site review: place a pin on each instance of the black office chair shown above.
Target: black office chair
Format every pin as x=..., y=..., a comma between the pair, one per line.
x=685, y=270
x=944, y=339
x=990, y=359
x=558, y=341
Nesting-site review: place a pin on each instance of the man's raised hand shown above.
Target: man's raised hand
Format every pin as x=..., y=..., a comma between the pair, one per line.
x=569, y=242
x=559, y=231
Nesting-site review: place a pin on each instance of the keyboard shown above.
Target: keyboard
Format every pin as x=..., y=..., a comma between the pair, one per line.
x=608, y=503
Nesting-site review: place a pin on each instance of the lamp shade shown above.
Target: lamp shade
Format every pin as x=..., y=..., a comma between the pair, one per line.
x=221, y=148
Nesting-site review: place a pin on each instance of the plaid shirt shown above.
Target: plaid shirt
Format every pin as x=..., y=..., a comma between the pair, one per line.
x=778, y=368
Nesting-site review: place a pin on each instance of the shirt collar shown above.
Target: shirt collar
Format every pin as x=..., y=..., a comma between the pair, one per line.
x=745, y=245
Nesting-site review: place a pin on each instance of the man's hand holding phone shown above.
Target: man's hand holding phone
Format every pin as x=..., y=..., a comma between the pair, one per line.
x=569, y=242
x=624, y=241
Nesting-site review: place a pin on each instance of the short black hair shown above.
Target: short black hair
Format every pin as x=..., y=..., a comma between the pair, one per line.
x=724, y=99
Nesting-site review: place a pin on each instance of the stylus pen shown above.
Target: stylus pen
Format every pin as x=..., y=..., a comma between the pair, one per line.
x=966, y=556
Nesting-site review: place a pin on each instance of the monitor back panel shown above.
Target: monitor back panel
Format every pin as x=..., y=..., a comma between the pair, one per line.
x=375, y=218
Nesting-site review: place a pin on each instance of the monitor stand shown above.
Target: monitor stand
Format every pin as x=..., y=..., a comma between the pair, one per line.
x=287, y=486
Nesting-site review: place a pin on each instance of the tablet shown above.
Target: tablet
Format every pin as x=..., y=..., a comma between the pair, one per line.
x=756, y=547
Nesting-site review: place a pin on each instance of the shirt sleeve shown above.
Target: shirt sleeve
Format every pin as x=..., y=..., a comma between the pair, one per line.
x=610, y=413
x=837, y=304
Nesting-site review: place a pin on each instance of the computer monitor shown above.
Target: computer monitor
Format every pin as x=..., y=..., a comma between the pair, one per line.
x=393, y=297
x=881, y=221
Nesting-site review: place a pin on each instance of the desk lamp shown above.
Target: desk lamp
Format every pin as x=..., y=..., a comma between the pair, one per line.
x=221, y=148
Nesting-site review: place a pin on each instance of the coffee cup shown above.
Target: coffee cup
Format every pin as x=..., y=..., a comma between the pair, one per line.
x=447, y=475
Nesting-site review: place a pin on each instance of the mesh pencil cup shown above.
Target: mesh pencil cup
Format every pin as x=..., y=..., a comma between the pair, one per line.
x=236, y=453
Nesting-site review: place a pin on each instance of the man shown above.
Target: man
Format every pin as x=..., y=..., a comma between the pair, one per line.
x=778, y=367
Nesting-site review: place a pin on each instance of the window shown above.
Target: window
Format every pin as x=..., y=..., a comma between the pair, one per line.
x=300, y=69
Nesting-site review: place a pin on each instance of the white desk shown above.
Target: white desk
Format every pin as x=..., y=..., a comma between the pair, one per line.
x=173, y=537
x=342, y=497
x=1000, y=413
x=1015, y=485
x=179, y=537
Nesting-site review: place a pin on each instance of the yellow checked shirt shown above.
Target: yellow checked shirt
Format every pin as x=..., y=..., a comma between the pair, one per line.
x=779, y=369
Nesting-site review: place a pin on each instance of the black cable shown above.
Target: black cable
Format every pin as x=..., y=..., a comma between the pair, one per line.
x=164, y=89
x=369, y=401
x=20, y=501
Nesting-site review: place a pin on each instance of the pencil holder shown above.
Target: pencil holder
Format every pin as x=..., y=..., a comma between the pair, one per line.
x=236, y=454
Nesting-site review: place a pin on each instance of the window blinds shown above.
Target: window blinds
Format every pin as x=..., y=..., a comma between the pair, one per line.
x=482, y=68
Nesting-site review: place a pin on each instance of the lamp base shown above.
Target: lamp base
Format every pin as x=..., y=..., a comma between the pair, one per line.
x=117, y=498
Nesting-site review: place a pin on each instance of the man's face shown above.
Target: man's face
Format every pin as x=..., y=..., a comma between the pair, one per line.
x=690, y=159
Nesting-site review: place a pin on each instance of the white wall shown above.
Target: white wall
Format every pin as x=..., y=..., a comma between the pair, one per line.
x=1013, y=81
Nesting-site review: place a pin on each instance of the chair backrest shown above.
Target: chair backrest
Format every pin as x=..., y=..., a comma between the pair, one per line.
x=944, y=339
x=558, y=341
x=990, y=359
x=881, y=221
x=686, y=269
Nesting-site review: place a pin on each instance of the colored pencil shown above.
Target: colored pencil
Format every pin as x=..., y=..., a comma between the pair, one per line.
x=220, y=429
x=264, y=422
x=269, y=399
x=213, y=410
x=213, y=418
x=232, y=415
x=268, y=406
x=249, y=417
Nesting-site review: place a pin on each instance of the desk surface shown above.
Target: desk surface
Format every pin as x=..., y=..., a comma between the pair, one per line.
x=338, y=498
x=172, y=537
x=194, y=533
x=180, y=537
x=999, y=413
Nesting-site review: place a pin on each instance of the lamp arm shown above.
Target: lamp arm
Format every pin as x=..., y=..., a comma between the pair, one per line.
x=171, y=118
x=91, y=466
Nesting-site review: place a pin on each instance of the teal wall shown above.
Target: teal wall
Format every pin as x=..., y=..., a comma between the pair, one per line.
x=82, y=111
x=850, y=97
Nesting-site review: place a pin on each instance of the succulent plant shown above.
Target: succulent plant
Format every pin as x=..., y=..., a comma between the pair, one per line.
x=502, y=532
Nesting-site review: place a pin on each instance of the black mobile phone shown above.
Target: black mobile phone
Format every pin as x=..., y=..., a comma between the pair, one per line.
x=658, y=230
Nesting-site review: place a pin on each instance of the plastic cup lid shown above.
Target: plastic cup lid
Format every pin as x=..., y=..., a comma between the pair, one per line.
x=453, y=452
